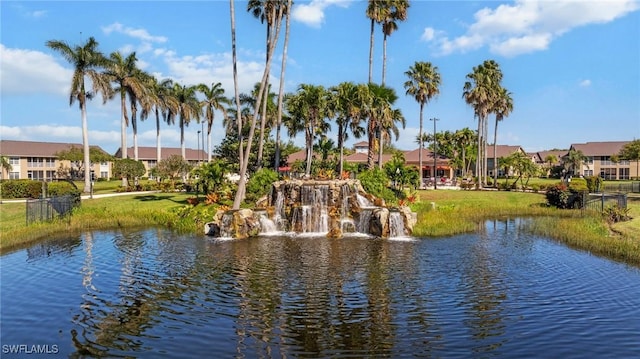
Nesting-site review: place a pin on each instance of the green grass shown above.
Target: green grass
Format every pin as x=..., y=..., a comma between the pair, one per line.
x=463, y=211
x=125, y=211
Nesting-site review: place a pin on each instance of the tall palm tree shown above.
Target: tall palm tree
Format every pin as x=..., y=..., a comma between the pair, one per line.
x=5, y=165
x=574, y=161
x=188, y=109
x=347, y=104
x=479, y=91
x=129, y=81
x=376, y=11
x=396, y=11
x=464, y=139
x=161, y=102
x=214, y=99
x=87, y=62
x=281, y=87
x=503, y=106
x=308, y=108
x=271, y=12
x=423, y=84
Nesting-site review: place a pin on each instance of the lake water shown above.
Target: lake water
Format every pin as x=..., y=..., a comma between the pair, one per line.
x=498, y=293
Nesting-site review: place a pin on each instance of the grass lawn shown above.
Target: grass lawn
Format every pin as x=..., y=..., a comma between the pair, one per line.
x=99, y=213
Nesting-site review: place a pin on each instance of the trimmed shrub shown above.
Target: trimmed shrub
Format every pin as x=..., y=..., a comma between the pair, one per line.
x=260, y=184
x=593, y=183
x=578, y=185
x=22, y=188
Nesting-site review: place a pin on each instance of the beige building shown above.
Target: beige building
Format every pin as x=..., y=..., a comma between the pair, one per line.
x=38, y=160
x=599, y=161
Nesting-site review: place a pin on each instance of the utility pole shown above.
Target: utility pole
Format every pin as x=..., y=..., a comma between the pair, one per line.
x=435, y=153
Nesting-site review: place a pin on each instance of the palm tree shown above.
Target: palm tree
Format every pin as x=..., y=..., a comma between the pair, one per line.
x=281, y=87
x=480, y=93
x=214, y=100
x=423, y=84
x=550, y=160
x=380, y=114
x=631, y=152
x=574, y=161
x=161, y=102
x=347, y=104
x=87, y=61
x=271, y=12
x=376, y=11
x=129, y=81
x=308, y=109
x=188, y=109
x=464, y=139
x=396, y=11
x=502, y=108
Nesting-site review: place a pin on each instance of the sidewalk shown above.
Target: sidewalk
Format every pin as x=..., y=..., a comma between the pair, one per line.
x=89, y=197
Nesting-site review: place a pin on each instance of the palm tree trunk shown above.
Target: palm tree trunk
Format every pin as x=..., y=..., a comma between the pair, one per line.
x=281, y=87
x=209, y=144
x=479, y=155
x=371, y=137
x=484, y=148
x=158, y=148
x=134, y=126
x=421, y=145
x=495, y=155
x=241, y=183
x=85, y=147
x=384, y=58
x=123, y=134
x=371, y=52
x=182, y=148
x=263, y=112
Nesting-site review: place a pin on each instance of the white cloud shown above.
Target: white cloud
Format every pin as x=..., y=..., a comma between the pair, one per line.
x=140, y=34
x=585, y=83
x=530, y=25
x=29, y=71
x=312, y=13
x=428, y=34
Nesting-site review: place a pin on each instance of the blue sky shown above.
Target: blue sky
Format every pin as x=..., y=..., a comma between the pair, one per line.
x=573, y=67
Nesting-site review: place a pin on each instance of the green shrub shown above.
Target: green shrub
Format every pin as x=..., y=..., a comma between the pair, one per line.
x=563, y=197
x=578, y=185
x=22, y=188
x=61, y=189
x=260, y=184
x=593, y=183
x=374, y=181
x=614, y=213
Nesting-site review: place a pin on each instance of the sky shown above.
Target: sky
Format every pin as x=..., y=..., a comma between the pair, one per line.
x=572, y=67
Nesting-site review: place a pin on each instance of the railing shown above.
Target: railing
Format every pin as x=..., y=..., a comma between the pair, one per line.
x=600, y=201
x=625, y=187
x=46, y=209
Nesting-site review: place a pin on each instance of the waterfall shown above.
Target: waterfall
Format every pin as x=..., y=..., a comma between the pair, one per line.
x=363, y=201
x=364, y=220
x=279, y=215
x=312, y=216
x=396, y=224
x=225, y=228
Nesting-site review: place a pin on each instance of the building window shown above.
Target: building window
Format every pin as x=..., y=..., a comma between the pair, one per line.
x=588, y=173
x=589, y=160
x=104, y=174
x=608, y=173
x=35, y=175
x=14, y=161
x=623, y=173
x=14, y=175
x=152, y=163
x=50, y=162
x=104, y=164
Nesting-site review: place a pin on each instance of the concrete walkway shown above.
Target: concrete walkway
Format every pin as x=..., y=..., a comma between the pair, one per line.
x=89, y=197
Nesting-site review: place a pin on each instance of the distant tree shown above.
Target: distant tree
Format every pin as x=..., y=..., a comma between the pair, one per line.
x=574, y=160
x=631, y=152
x=5, y=164
x=172, y=168
x=75, y=155
x=128, y=168
x=550, y=160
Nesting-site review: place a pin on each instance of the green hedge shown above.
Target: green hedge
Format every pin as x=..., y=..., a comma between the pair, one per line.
x=25, y=188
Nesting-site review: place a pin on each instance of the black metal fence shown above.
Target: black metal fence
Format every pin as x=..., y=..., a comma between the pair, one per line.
x=600, y=201
x=46, y=209
x=626, y=187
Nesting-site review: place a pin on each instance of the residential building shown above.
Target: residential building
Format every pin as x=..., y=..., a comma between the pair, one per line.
x=441, y=168
x=502, y=151
x=546, y=160
x=149, y=157
x=361, y=147
x=38, y=161
x=599, y=162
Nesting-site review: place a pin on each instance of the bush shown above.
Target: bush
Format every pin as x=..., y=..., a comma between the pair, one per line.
x=260, y=184
x=593, y=183
x=614, y=214
x=563, y=197
x=23, y=188
x=578, y=185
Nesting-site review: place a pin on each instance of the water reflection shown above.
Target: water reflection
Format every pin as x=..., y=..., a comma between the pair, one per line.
x=151, y=293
